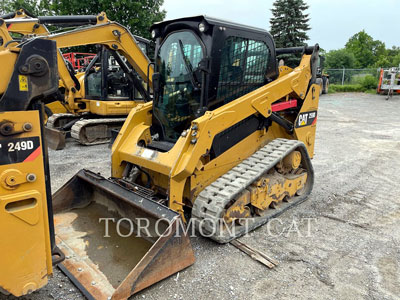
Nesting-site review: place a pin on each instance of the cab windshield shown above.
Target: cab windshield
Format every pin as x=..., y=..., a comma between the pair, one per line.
x=179, y=96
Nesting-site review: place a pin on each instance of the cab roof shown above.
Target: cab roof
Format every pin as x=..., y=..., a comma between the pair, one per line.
x=211, y=21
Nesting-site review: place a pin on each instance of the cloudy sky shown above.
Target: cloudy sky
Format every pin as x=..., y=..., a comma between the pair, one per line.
x=332, y=22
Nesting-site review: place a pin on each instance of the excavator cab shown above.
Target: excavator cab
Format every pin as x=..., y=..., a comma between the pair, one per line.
x=108, y=77
x=109, y=89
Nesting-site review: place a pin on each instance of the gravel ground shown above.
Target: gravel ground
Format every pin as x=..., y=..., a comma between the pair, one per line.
x=342, y=243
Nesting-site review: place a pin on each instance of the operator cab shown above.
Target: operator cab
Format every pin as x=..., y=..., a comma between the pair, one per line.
x=110, y=77
x=202, y=63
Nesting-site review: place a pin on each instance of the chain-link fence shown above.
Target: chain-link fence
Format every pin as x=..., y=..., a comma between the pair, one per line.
x=349, y=76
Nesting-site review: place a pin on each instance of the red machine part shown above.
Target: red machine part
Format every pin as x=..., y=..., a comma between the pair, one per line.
x=79, y=60
x=284, y=105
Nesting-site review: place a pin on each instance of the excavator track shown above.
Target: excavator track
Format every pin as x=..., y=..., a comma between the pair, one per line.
x=95, y=131
x=211, y=204
x=53, y=120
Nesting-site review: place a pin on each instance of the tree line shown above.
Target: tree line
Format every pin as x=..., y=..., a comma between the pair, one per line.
x=362, y=51
x=137, y=15
x=289, y=26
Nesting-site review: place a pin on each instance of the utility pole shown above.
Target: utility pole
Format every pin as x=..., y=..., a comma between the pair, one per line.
x=343, y=76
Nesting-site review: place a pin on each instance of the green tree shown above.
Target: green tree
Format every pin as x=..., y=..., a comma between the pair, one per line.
x=393, y=56
x=339, y=59
x=289, y=26
x=137, y=15
x=383, y=62
x=35, y=7
x=3, y=7
x=289, y=23
x=395, y=62
x=366, y=50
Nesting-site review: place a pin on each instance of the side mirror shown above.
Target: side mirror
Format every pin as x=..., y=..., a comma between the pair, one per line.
x=204, y=65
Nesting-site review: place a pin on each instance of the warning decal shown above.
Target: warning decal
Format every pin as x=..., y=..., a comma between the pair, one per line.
x=23, y=83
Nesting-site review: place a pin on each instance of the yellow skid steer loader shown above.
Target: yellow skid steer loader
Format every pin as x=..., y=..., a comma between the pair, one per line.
x=226, y=142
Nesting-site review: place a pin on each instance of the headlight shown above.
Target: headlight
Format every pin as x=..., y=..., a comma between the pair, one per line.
x=153, y=34
x=202, y=27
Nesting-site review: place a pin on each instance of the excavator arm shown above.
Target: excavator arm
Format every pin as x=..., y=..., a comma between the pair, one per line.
x=114, y=36
x=100, y=31
x=24, y=23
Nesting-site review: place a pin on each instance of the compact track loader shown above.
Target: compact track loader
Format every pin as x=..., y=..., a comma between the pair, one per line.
x=229, y=136
x=97, y=101
x=227, y=141
x=33, y=222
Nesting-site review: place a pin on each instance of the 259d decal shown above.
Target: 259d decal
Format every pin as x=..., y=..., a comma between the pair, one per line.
x=306, y=119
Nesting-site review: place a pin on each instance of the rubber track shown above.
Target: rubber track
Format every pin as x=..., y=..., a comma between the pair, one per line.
x=78, y=127
x=210, y=205
x=53, y=118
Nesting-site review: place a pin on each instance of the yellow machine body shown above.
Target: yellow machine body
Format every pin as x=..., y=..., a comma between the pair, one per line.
x=183, y=171
x=56, y=107
x=25, y=260
x=239, y=157
x=7, y=60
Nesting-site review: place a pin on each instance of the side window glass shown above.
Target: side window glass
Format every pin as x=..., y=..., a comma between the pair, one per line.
x=93, y=79
x=118, y=87
x=256, y=64
x=243, y=66
x=143, y=47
